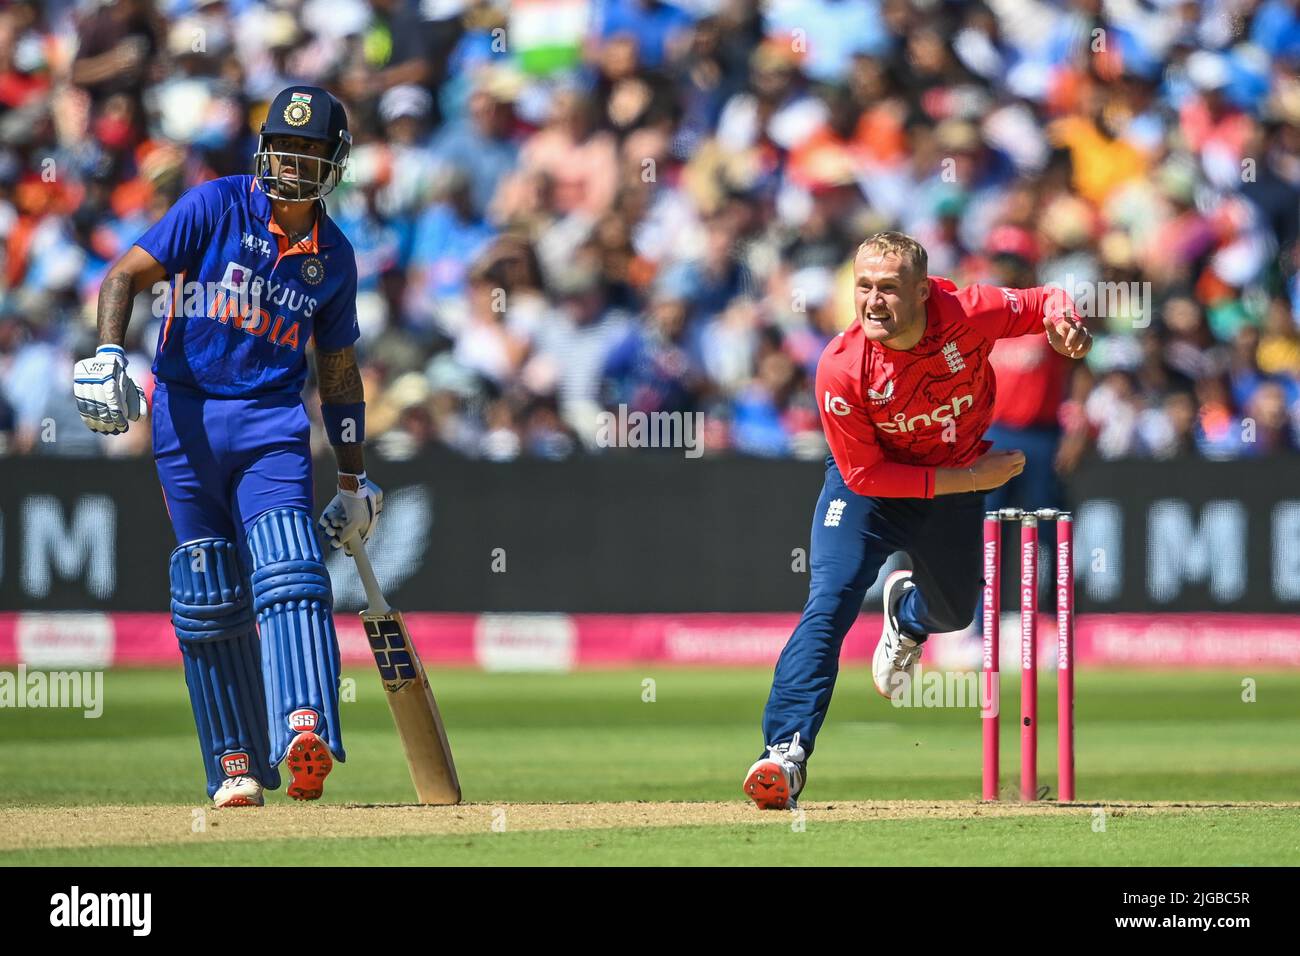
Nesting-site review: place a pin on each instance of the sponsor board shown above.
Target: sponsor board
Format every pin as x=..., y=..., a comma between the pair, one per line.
x=561, y=642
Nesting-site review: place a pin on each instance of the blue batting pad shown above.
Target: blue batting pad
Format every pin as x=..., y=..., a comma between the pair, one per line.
x=214, y=626
x=300, y=651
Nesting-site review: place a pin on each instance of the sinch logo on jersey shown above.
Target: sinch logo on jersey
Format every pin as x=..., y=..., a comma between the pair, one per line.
x=943, y=413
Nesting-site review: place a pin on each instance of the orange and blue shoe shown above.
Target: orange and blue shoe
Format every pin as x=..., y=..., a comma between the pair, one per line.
x=775, y=781
x=309, y=762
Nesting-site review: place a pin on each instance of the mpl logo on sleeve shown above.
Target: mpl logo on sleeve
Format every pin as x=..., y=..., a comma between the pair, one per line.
x=77, y=909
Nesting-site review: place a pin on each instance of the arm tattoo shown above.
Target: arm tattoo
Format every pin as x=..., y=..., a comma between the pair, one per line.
x=339, y=377
x=114, y=312
x=339, y=382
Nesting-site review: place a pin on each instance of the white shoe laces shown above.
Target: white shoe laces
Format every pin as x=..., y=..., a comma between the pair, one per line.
x=905, y=651
x=790, y=752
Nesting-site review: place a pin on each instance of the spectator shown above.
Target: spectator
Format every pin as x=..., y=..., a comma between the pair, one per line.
x=1168, y=430
x=489, y=345
x=1221, y=433
x=659, y=207
x=1269, y=424
x=656, y=27
x=448, y=237
x=1279, y=347
x=576, y=161
x=650, y=369
x=397, y=48
x=832, y=31
x=572, y=349
x=1113, y=410
x=115, y=46
x=482, y=146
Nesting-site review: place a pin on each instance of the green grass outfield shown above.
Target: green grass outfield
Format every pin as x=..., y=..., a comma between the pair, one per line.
x=591, y=738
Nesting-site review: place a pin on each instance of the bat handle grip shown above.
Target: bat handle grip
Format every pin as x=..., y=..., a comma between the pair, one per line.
x=374, y=596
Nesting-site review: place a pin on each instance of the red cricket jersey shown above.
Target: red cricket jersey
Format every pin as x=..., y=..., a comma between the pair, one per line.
x=892, y=417
x=1034, y=377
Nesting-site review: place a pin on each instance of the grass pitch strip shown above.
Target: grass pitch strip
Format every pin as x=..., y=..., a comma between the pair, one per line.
x=1173, y=769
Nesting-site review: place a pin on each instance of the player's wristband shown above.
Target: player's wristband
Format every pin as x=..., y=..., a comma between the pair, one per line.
x=344, y=424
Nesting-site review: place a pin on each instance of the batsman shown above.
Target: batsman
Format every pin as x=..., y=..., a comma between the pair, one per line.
x=249, y=270
x=906, y=395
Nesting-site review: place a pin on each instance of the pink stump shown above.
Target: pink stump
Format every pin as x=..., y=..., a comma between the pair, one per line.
x=990, y=695
x=1028, y=657
x=1065, y=657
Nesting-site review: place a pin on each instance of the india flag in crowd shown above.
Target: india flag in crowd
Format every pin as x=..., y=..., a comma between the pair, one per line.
x=546, y=35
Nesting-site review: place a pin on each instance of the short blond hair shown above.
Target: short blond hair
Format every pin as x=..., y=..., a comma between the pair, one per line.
x=902, y=245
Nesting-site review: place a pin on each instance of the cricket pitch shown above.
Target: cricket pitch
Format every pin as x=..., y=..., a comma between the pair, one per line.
x=34, y=828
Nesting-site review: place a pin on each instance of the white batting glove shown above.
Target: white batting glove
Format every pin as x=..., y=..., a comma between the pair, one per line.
x=352, y=513
x=107, y=398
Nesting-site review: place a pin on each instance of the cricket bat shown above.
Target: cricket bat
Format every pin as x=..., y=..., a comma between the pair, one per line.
x=415, y=712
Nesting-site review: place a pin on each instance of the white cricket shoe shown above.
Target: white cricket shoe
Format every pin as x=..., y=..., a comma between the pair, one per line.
x=239, y=792
x=896, y=653
x=774, y=782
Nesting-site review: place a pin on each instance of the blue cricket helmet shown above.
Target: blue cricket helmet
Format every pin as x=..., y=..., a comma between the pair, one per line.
x=312, y=113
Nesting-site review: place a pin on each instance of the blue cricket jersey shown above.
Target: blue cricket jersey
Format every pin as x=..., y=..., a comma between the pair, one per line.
x=242, y=304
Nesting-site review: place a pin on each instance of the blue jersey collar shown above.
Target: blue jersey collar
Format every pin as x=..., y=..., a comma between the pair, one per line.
x=327, y=233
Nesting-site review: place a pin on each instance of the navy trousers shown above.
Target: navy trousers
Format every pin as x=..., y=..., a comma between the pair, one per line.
x=852, y=536
x=223, y=462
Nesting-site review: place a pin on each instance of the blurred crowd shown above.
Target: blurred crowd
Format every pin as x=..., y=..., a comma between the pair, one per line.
x=563, y=206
